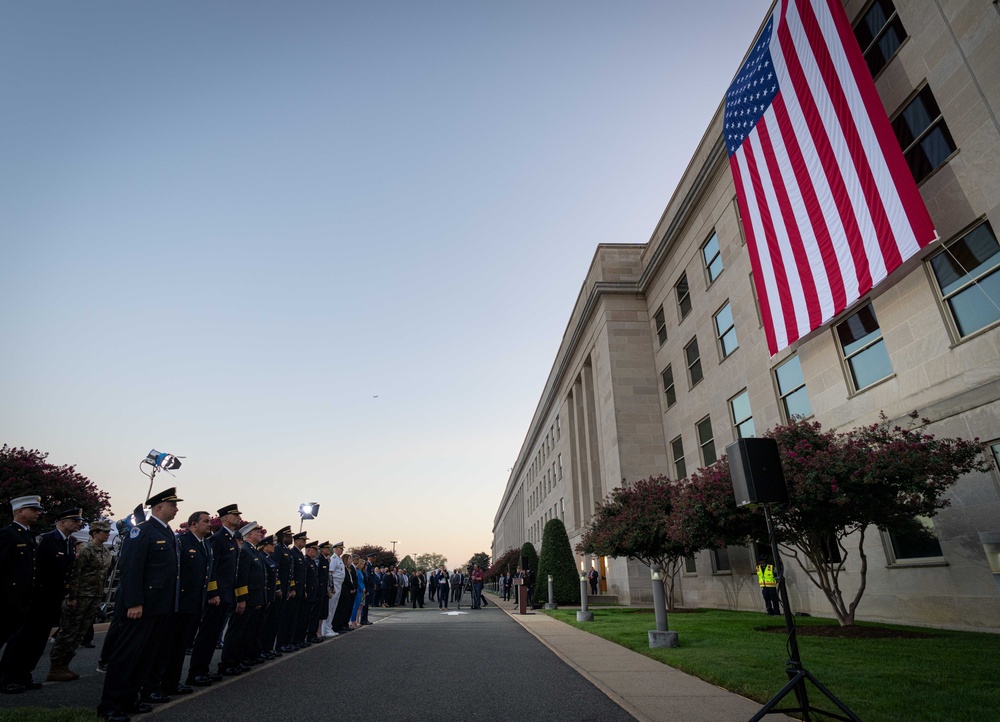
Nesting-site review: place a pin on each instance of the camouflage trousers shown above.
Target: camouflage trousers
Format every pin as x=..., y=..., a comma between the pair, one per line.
x=73, y=624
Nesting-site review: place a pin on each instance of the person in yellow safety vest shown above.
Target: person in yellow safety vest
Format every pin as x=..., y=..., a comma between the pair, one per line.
x=768, y=585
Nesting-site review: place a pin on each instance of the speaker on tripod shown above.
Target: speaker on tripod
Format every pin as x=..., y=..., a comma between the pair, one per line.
x=755, y=466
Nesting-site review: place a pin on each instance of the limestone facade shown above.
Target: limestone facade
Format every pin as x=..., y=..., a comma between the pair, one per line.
x=604, y=415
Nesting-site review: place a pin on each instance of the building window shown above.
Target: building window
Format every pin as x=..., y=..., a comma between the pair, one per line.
x=880, y=33
x=690, y=565
x=792, y=390
x=712, y=257
x=720, y=561
x=693, y=357
x=668, y=386
x=558, y=428
x=725, y=330
x=967, y=277
x=560, y=466
x=562, y=510
x=677, y=449
x=923, y=135
x=739, y=406
x=864, y=349
x=914, y=545
x=661, y=325
x=707, y=441
x=683, y=296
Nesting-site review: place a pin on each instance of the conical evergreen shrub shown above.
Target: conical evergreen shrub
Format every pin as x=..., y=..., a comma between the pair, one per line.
x=557, y=559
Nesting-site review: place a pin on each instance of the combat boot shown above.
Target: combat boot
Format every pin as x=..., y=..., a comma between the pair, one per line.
x=60, y=671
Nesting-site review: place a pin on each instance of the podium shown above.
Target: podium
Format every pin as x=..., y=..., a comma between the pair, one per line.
x=521, y=589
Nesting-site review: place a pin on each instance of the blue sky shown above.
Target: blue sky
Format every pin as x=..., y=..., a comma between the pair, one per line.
x=226, y=227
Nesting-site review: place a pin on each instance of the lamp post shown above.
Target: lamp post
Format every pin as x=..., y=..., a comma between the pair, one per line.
x=584, y=615
x=552, y=597
x=660, y=637
x=393, y=547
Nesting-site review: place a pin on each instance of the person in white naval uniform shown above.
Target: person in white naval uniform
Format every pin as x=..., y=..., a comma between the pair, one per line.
x=337, y=573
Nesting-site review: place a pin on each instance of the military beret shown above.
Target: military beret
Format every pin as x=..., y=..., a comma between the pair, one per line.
x=165, y=495
x=230, y=509
x=27, y=502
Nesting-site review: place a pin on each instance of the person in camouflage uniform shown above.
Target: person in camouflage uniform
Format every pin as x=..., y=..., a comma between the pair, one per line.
x=86, y=586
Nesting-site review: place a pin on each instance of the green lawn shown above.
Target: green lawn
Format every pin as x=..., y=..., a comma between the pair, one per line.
x=951, y=676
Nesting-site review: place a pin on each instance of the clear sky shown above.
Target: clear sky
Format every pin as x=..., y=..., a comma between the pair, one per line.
x=227, y=227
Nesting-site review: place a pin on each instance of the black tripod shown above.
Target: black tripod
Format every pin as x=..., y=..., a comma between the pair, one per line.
x=797, y=674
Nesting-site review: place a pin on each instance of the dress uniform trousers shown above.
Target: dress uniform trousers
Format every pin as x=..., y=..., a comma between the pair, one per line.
x=138, y=648
x=216, y=616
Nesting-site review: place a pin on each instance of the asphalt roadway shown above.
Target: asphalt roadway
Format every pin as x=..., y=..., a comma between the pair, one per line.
x=410, y=665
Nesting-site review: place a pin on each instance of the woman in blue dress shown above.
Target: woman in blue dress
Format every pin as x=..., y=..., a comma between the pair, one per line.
x=359, y=596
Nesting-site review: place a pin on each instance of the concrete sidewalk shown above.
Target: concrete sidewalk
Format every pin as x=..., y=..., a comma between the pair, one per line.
x=648, y=690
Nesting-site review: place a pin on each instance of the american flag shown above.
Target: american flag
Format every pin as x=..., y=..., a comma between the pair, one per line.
x=829, y=206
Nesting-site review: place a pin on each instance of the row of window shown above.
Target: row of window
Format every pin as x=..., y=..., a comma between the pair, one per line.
x=545, y=485
x=535, y=530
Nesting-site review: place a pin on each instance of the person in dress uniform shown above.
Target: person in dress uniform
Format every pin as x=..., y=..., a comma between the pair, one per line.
x=221, y=597
x=337, y=573
x=306, y=622
x=299, y=584
x=249, y=593
x=146, y=602
x=53, y=564
x=196, y=566
x=321, y=608
x=286, y=577
x=17, y=574
x=283, y=589
x=269, y=627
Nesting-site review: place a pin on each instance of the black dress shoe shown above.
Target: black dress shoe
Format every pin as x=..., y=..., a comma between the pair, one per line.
x=114, y=717
x=214, y=677
x=12, y=688
x=246, y=666
x=231, y=671
x=316, y=640
x=179, y=689
x=88, y=645
x=199, y=680
x=32, y=685
x=140, y=708
x=155, y=698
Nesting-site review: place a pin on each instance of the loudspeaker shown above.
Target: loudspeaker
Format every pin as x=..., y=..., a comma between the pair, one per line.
x=755, y=467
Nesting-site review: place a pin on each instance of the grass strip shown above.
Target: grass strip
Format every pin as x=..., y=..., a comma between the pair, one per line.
x=945, y=676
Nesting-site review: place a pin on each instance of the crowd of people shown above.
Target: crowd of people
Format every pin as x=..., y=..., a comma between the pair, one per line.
x=186, y=594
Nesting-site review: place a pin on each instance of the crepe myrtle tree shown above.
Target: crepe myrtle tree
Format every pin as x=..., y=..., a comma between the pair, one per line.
x=26, y=472
x=506, y=562
x=882, y=475
x=633, y=521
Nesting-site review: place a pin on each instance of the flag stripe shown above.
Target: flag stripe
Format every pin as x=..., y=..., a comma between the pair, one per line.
x=755, y=242
x=828, y=272
x=827, y=160
x=911, y=203
x=767, y=225
x=790, y=240
x=884, y=246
